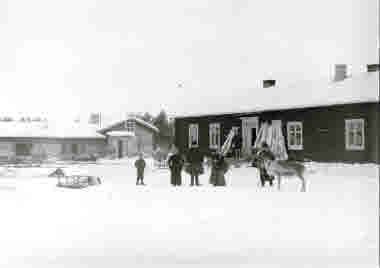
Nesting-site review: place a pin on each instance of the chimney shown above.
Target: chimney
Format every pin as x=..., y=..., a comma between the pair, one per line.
x=373, y=68
x=340, y=72
x=269, y=83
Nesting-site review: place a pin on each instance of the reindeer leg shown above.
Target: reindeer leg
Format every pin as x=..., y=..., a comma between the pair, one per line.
x=279, y=182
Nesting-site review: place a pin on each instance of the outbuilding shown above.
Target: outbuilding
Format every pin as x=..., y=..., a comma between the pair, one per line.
x=130, y=136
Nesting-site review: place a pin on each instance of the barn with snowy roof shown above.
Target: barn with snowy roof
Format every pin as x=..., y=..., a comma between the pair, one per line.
x=331, y=120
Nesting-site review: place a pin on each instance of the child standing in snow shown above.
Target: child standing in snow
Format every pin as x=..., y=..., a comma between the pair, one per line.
x=140, y=166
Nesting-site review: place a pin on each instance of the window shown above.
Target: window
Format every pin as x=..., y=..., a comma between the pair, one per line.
x=355, y=134
x=214, y=131
x=23, y=149
x=130, y=126
x=295, y=140
x=193, y=135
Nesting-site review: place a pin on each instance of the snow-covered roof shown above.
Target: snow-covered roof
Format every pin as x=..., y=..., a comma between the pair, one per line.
x=142, y=122
x=48, y=130
x=120, y=134
x=360, y=88
x=137, y=120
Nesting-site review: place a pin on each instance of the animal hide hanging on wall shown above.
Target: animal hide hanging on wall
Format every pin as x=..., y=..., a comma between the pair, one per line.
x=272, y=135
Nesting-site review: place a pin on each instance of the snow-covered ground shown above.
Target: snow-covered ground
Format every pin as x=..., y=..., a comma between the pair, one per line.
x=117, y=224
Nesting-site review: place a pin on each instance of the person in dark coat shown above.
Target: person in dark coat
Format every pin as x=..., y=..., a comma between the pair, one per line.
x=213, y=158
x=237, y=143
x=195, y=165
x=264, y=176
x=220, y=169
x=140, y=166
x=175, y=164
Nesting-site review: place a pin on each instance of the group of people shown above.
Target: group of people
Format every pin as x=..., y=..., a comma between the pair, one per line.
x=194, y=167
x=192, y=163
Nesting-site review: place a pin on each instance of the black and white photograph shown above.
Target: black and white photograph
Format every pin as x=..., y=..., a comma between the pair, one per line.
x=189, y=133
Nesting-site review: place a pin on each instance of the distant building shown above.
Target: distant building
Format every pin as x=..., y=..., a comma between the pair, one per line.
x=323, y=121
x=70, y=141
x=41, y=140
x=130, y=136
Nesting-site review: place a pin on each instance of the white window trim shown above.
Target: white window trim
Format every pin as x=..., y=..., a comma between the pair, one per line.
x=196, y=127
x=214, y=127
x=354, y=147
x=294, y=146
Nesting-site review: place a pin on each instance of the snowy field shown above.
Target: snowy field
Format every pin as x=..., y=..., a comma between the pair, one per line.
x=117, y=224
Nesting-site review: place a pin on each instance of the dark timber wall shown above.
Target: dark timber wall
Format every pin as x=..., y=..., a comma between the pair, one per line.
x=323, y=131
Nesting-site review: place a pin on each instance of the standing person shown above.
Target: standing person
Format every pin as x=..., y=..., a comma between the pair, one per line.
x=175, y=164
x=264, y=176
x=236, y=145
x=239, y=145
x=221, y=168
x=214, y=159
x=140, y=166
x=195, y=167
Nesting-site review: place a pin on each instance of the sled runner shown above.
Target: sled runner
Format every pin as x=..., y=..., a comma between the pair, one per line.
x=77, y=181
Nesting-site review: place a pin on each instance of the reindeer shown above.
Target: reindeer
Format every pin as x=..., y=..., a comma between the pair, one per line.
x=279, y=168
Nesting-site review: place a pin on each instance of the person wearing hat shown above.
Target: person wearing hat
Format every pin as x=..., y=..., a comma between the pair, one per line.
x=175, y=164
x=140, y=166
x=220, y=169
x=195, y=165
x=264, y=176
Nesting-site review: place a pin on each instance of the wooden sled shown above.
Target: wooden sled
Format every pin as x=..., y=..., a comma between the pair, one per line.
x=74, y=181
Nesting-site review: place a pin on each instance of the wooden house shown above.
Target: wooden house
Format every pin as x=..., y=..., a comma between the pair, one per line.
x=325, y=121
x=130, y=136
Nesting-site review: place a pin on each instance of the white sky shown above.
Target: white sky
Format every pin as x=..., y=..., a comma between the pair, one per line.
x=64, y=58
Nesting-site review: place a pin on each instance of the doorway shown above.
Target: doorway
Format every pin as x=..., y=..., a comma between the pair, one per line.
x=250, y=127
x=254, y=131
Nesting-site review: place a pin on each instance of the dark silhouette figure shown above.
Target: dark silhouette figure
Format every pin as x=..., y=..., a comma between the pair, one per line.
x=195, y=165
x=264, y=176
x=219, y=169
x=140, y=166
x=175, y=164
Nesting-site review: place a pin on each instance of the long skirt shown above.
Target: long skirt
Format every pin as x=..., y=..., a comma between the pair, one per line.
x=213, y=176
x=220, y=179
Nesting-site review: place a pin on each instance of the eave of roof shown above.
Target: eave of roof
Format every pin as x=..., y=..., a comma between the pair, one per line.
x=279, y=108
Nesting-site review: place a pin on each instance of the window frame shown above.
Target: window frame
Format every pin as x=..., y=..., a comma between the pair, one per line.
x=215, y=128
x=354, y=147
x=294, y=147
x=196, y=127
